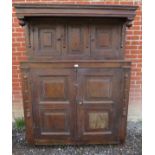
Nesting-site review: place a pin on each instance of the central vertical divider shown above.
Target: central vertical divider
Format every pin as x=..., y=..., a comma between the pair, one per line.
x=76, y=102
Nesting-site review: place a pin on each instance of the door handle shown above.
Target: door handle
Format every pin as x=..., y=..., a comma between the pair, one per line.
x=76, y=65
x=80, y=102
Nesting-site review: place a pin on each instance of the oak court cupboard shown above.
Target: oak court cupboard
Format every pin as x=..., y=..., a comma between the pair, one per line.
x=76, y=79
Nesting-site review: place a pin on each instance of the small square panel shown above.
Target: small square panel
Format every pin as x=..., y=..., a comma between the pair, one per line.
x=98, y=120
x=98, y=88
x=54, y=89
x=47, y=39
x=54, y=122
x=103, y=37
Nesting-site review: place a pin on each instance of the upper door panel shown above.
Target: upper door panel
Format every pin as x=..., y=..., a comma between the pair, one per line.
x=77, y=39
x=106, y=41
x=47, y=40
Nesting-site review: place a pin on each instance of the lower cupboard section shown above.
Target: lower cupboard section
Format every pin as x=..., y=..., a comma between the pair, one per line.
x=75, y=103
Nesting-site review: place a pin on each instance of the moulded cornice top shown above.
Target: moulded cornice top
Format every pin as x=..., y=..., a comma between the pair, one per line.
x=24, y=11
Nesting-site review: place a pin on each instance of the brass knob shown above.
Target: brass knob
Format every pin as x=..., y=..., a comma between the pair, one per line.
x=80, y=102
x=76, y=65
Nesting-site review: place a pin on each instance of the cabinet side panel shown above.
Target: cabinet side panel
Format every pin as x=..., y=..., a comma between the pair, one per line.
x=26, y=90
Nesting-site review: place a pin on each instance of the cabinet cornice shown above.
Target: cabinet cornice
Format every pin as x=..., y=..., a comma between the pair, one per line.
x=25, y=11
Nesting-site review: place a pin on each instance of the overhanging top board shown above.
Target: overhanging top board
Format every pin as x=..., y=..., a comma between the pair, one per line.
x=51, y=10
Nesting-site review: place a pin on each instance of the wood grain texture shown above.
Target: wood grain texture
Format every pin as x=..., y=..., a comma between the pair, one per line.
x=60, y=39
x=76, y=81
x=61, y=116
x=41, y=10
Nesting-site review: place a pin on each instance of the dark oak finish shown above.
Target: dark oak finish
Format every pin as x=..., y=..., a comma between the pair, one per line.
x=77, y=105
x=76, y=81
x=100, y=113
x=53, y=103
x=103, y=41
x=53, y=39
x=49, y=10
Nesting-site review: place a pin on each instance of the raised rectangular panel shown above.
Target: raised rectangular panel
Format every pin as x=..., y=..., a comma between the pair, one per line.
x=98, y=120
x=106, y=41
x=103, y=38
x=47, y=40
x=98, y=87
x=55, y=88
x=54, y=122
x=76, y=40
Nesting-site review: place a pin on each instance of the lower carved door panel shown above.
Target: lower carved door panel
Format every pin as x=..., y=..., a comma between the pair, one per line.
x=77, y=104
x=99, y=108
x=53, y=104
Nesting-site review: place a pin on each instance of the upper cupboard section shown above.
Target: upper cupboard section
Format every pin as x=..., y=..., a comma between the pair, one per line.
x=75, y=39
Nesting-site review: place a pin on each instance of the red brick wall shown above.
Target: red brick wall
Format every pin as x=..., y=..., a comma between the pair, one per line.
x=133, y=50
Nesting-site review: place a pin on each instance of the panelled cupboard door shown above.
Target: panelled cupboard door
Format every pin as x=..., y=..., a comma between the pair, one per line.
x=106, y=41
x=99, y=105
x=53, y=105
x=76, y=41
x=78, y=103
x=47, y=40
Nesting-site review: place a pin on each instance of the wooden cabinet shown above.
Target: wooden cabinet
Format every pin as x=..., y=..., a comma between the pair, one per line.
x=70, y=39
x=75, y=82
x=77, y=102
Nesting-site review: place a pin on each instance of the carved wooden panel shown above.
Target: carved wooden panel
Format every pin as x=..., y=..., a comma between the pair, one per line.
x=27, y=103
x=53, y=101
x=63, y=39
x=98, y=120
x=76, y=40
x=54, y=88
x=86, y=104
x=106, y=41
x=47, y=40
x=98, y=116
x=99, y=84
x=70, y=95
x=54, y=121
x=98, y=87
